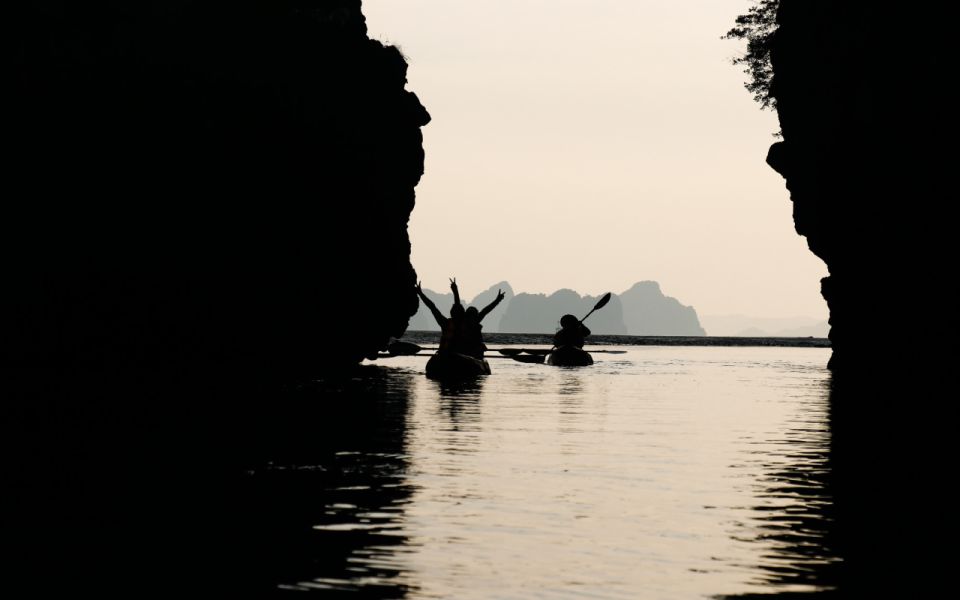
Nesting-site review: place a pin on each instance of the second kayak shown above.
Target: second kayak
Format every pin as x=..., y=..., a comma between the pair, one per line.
x=569, y=356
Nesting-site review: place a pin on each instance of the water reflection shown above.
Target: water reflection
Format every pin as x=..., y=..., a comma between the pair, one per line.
x=467, y=388
x=571, y=384
x=892, y=455
x=571, y=417
x=459, y=406
x=229, y=487
x=794, y=517
x=460, y=401
x=330, y=488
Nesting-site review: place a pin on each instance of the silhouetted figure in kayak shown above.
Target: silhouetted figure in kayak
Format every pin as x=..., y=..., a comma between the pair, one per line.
x=449, y=327
x=469, y=339
x=572, y=333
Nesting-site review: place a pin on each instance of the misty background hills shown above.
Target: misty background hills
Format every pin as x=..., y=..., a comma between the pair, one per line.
x=641, y=310
x=746, y=326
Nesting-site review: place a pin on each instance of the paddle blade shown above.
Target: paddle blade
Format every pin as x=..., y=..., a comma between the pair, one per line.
x=399, y=348
x=529, y=358
x=603, y=301
x=511, y=352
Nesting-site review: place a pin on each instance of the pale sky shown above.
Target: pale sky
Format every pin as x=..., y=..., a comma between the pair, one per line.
x=590, y=144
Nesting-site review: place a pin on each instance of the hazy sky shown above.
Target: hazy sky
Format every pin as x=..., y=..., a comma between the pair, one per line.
x=591, y=144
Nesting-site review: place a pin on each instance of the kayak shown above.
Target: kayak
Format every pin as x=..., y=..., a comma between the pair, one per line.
x=569, y=356
x=452, y=365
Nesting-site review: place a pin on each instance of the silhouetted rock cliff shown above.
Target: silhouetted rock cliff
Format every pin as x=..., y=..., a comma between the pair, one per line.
x=205, y=182
x=646, y=311
x=862, y=92
x=852, y=89
x=539, y=313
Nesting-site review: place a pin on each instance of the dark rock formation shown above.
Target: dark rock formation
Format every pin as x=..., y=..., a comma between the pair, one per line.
x=205, y=182
x=539, y=313
x=646, y=311
x=862, y=92
x=859, y=158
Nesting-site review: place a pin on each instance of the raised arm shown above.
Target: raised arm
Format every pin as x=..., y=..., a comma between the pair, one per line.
x=441, y=320
x=492, y=305
x=455, y=290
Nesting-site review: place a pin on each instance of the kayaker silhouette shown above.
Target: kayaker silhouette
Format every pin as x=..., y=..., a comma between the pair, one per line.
x=461, y=332
x=448, y=327
x=470, y=338
x=572, y=333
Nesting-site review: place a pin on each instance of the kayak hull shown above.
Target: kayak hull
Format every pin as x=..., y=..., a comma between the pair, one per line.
x=449, y=366
x=569, y=356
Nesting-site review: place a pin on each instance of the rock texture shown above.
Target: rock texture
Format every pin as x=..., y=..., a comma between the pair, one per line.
x=197, y=182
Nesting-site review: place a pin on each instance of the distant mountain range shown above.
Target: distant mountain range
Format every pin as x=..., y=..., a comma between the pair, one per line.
x=647, y=311
x=539, y=313
x=641, y=310
x=745, y=326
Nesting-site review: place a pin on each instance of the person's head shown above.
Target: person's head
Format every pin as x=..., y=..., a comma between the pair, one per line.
x=569, y=321
x=456, y=311
x=472, y=315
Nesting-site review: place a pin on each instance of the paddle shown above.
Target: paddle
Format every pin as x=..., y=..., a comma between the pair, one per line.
x=511, y=352
x=603, y=302
x=515, y=351
x=529, y=358
x=428, y=354
x=399, y=348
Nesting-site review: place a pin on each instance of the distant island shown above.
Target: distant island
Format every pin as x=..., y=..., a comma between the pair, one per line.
x=746, y=326
x=539, y=313
x=647, y=311
x=641, y=310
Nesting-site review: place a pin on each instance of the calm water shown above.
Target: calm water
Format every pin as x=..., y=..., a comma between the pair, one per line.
x=665, y=472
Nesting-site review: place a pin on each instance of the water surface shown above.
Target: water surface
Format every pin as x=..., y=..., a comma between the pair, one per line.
x=665, y=472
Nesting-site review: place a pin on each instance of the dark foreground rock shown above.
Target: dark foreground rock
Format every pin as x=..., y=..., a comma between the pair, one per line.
x=205, y=182
x=858, y=88
x=862, y=158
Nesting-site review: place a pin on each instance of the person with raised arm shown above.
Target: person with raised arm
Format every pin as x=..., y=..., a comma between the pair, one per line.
x=448, y=326
x=470, y=340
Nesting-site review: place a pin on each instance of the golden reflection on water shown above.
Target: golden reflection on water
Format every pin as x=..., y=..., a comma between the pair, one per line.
x=668, y=472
